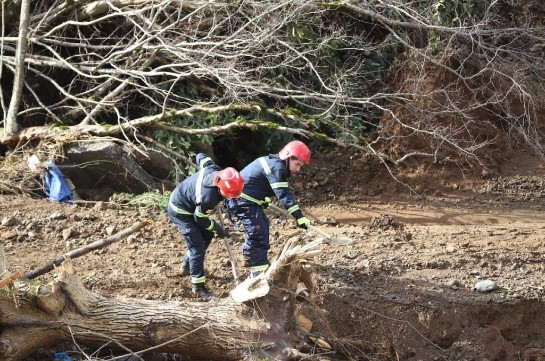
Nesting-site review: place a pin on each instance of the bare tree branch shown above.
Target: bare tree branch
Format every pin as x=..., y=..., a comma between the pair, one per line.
x=419, y=81
x=11, y=127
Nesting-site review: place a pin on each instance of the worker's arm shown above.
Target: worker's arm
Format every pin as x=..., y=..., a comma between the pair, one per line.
x=202, y=217
x=278, y=179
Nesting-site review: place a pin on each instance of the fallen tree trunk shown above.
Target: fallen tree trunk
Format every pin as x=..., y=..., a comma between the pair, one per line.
x=221, y=329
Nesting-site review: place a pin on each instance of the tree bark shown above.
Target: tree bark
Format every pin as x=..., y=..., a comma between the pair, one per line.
x=217, y=330
x=11, y=127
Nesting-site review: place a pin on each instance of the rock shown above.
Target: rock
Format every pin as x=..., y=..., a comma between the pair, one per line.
x=451, y=248
x=110, y=230
x=57, y=216
x=8, y=235
x=486, y=286
x=351, y=255
x=454, y=284
x=67, y=233
x=155, y=163
x=132, y=238
x=10, y=221
x=106, y=163
x=75, y=217
x=99, y=206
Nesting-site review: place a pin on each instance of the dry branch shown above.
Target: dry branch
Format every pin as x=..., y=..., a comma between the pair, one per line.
x=86, y=249
x=425, y=98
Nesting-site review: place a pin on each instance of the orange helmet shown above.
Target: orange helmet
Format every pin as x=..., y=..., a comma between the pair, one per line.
x=229, y=181
x=295, y=149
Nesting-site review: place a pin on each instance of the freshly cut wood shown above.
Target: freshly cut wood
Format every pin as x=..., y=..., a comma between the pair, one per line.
x=12, y=277
x=304, y=323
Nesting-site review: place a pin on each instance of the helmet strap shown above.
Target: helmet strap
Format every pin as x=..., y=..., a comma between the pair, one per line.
x=288, y=161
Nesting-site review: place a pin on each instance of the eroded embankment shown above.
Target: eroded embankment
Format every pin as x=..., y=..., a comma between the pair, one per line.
x=426, y=326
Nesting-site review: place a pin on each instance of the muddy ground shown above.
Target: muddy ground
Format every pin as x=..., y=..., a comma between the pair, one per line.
x=403, y=290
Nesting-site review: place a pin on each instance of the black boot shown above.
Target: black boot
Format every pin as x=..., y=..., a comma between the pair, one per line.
x=184, y=268
x=200, y=290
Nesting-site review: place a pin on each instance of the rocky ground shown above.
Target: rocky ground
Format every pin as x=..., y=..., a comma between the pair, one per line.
x=402, y=290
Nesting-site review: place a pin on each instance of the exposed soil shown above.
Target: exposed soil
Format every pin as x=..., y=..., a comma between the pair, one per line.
x=403, y=290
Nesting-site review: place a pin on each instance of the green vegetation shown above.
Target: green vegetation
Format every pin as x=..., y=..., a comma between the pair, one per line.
x=454, y=13
x=148, y=200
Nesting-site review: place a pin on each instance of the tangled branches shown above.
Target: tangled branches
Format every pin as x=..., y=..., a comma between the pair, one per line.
x=444, y=80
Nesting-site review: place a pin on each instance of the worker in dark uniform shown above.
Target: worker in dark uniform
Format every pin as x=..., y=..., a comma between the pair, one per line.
x=263, y=178
x=189, y=208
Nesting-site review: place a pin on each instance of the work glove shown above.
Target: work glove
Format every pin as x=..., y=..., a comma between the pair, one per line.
x=220, y=231
x=303, y=222
x=266, y=202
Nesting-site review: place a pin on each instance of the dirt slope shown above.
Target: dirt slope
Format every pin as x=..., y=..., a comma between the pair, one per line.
x=402, y=290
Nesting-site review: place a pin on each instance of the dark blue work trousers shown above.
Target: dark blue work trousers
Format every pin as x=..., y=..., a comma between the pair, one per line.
x=256, y=243
x=197, y=241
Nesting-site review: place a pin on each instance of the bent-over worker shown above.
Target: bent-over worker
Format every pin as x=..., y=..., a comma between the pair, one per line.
x=189, y=208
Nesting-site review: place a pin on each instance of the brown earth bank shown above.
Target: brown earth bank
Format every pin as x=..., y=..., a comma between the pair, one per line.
x=404, y=288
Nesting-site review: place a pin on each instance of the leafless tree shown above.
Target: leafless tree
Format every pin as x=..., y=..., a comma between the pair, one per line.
x=437, y=79
x=11, y=116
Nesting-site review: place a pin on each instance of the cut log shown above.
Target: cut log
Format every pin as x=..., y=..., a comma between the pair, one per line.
x=221, y=329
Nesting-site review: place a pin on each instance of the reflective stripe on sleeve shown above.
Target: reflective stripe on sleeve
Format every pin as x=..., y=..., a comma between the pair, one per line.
x=251, y=199
x=179, y=210
x=202, y=215
x=279, y=185
x=211, y=226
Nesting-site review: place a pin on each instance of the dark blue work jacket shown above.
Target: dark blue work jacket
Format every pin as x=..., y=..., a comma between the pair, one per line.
x=266, y=177
x=196, y=195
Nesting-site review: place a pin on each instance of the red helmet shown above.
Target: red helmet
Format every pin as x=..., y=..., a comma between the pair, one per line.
x=229, y=181
x=295, y=149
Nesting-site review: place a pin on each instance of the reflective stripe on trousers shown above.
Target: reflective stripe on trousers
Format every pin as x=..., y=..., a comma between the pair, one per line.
x=197, y=241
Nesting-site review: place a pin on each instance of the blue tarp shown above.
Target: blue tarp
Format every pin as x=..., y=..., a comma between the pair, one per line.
x=55, y=186
x=61, y=356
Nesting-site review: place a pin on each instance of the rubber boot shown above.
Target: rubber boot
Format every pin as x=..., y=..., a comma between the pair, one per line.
x=184, y=267
x=200, y=290
x=254, y=274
